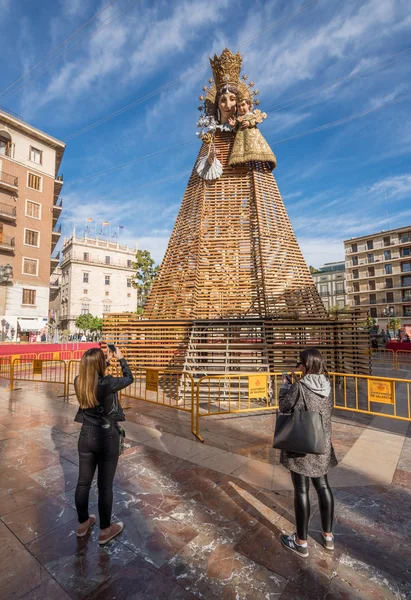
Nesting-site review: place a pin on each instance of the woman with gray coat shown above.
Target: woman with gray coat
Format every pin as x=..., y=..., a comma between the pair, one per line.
x=314, y=386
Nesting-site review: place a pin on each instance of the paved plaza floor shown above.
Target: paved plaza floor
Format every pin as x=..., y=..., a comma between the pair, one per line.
x=201, y=520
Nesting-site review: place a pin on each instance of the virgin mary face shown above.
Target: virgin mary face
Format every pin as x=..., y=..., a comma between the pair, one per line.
x=227, y=105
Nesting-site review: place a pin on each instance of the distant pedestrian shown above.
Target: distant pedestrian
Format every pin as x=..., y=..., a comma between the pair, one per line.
x=100, y=438
x=83, y=338
x=312, y=392
x=374, y=344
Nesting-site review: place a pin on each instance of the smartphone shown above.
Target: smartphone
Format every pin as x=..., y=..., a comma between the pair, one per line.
x=287, y=377
x=111, y=347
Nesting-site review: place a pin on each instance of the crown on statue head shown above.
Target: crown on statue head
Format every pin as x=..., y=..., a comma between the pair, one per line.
x=226, y=68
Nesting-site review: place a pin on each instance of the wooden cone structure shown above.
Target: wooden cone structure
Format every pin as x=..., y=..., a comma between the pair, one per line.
x=233, y=252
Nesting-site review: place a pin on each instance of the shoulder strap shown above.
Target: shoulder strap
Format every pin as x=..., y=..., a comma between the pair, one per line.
x=302, y=393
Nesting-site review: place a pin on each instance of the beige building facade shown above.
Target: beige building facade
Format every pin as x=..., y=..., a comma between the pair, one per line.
x=330, y=283
x=378, y=268
x=96, y=278
x=30, y=207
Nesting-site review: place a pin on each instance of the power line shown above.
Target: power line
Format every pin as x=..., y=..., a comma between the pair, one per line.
x=111, y=19
x=344, y=79
x=287, y=139
x=157, y=91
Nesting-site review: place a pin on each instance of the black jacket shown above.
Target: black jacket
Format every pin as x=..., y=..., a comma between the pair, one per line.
x=108, y=409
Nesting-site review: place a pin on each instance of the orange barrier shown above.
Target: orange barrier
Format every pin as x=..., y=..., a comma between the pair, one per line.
x=37, y=370
x=5, y=367
x=403, y=356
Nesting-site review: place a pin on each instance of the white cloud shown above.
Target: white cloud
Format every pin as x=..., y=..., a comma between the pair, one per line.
x=318, y=251
x=383, y=98
x=74, y=8
x=396, y=188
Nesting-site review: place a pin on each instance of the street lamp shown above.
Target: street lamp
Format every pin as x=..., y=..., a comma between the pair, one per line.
x=3, y=324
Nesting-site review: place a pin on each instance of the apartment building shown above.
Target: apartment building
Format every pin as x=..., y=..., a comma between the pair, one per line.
x=30, y=207
x=378, y=268
x=330, y=283
x=95, y=278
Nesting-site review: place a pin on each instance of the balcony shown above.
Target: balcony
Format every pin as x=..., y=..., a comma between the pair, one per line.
x=54, y=261
x=7, y=212
x=6, y=243
x=57, y=208
x=55, y=236
x=9, y=182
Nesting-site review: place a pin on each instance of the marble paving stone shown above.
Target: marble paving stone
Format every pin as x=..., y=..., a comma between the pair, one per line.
x=58, y=478
x=36, y=461
x=211, y=570
x=152, y=534
x=296, y=592
x=23, y=498
x=139, y=581
x=15, y=447
x=262, y=545
x=7, y=433
x=20, y=572
x=402, y=478
x=224, y=462
x=36, y=520
x=13, y=480
x=81, y=565
x=49, y=590
x=257, y=473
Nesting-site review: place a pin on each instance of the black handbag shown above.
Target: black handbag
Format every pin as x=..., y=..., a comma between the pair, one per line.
x=300, y=431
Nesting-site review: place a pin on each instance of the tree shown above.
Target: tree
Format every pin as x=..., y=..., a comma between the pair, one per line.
x=394, y=324
x=88, y=323
x=145, y=276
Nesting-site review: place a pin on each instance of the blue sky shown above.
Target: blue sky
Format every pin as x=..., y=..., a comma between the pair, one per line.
x=336, y=183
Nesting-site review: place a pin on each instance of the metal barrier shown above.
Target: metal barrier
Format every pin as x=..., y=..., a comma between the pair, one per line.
x=73, y=367
x=383, y=355
x=39, y=371
x=366, y=394
x=174, y=389
x=403, y=357
x=5, y=367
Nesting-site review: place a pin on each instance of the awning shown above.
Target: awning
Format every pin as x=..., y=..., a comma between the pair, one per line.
x=30, y=324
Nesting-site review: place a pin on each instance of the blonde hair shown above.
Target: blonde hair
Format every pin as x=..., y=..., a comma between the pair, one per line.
x=92, y=364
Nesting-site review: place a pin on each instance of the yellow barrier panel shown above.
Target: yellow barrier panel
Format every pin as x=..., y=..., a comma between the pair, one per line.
x=383, y=355
x=5, y=367
x=73, y=367
x=367, y=394
x=403, y=357
x=39, y=371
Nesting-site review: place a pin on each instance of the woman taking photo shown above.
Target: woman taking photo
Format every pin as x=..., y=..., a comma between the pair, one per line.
x=313, y=393
x=100, y=438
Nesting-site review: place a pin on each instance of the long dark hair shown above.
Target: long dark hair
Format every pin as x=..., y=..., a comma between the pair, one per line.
x=227, y=88
x=313, y=361
x=92, y=364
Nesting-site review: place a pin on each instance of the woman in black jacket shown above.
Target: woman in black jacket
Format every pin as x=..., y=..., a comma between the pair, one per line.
x=313, y=387
x=99, y=441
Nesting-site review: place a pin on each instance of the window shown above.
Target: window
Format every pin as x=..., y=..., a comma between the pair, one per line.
x=128, y=282
x=371, y=271
x=129, y=264
x=406, y=237
x=406, y=267
x=33, y=209
x=107, y=260
x=31, y=238
x=373, y=313
x=388, y=269
x=85, y=309
x=370, y=245
x=85, y=277
x=36, y=155
x=107, y=280
x=355, y=274
x=387, y=254
x=406, y=251
x=406, y=311
x=388, y=282
x=356, y=287
x=406, y=296
x=356, y=300
x=34, y=182
x=86, y=257
x=30, y=266
x=354, y=261
x=85, y=292
x=387, y=241
x=107, y=293
x=371, y=284
x=406, y=281
x=390, y=297
x=373, y=299
x=354, y=248
x=370, y=258
x=106, y=308
x=29, y=297
x=128, y=295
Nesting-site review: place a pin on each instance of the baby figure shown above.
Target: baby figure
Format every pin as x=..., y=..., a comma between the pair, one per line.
x=249, y=144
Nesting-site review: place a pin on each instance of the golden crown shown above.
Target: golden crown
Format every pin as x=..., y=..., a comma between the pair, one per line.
x=226, y=68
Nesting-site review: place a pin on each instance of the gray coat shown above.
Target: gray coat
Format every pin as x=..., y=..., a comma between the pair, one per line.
x=317, y=392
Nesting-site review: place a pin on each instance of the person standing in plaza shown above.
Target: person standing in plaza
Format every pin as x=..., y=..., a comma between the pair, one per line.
x=312, y=392
x=100, y=438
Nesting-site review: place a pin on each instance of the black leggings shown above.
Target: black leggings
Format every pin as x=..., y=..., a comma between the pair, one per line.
x=302, y=503
x=97, y=448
